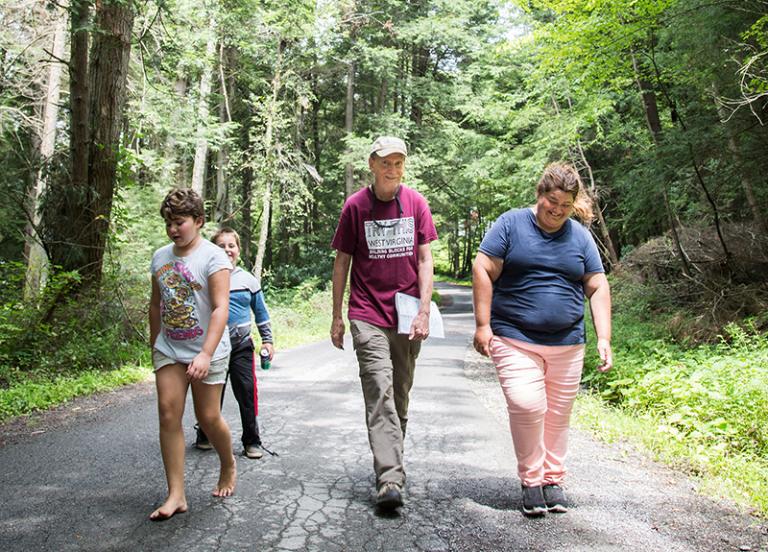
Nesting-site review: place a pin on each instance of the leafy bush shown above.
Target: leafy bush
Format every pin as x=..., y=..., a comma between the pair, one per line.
x=701, y=407
x=718, y=289
x=301, y=314
x=28, y=396
x=61, y=332
x=713, y=394
x=291, y=275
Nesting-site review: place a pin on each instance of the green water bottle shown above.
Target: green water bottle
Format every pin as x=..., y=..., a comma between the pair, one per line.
x=265, y=362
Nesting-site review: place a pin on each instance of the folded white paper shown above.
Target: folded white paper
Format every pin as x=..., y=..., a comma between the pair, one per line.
x=408, y=307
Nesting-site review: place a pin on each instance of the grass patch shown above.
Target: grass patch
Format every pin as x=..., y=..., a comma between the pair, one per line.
x=720, y=473
x=466, y=282
x=702, y=408
x=300, y=315
x=41, y=393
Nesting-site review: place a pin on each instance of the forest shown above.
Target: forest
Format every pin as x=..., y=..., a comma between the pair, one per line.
x=268, y=108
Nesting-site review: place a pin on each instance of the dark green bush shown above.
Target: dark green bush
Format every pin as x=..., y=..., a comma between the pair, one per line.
x=62, y=331
x=710, y=393
x=291, y=275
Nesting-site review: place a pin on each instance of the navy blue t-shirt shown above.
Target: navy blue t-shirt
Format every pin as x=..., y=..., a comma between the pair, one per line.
x=539, y=296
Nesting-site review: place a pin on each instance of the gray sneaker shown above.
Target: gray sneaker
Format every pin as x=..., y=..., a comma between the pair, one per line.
x=201, y=441
x=389, y=496
x=253, y=452
x=555, y=499
x=533, y=501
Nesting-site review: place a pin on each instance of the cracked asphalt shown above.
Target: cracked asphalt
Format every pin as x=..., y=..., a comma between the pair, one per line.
x=85, y=476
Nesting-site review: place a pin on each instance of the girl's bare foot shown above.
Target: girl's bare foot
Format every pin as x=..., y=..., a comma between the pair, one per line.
x=227, y=479
x=170, y=507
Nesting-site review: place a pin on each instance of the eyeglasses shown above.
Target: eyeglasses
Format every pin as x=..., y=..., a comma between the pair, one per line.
x=396, y=221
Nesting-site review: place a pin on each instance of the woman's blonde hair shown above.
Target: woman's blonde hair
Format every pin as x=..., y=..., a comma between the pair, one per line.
x=565, y=177
x=226, y=230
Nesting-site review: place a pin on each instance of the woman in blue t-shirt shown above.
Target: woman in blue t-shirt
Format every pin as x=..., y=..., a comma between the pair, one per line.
x=534, y=268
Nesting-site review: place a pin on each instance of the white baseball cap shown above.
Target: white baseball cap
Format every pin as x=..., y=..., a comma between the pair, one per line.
x=387, y=145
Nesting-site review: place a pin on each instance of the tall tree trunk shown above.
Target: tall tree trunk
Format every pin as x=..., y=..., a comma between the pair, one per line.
x=651, y=110
x=246, y=197
x=268, y=250
x=316, y=146
x=66, y=225
x=79, y=129
x=605, y=235
x=467, y=264
x=222, y=210
x=381, y=104
x=173, y=170
x=746, y=181
x=455, y=252
x=349, y=105
x=396, y=96
x=37, y=258
x=201, y=148
x=419, y=64
x=108, y=77
x=317, y=150
x=404, y=83
x=349, y=119
x=269, y=140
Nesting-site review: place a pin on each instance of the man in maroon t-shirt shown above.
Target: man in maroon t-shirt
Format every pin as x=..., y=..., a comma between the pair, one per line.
x=384, y=232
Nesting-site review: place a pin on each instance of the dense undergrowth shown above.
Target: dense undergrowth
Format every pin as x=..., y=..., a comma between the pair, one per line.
x=60, y=333
x=63, y=343
x=301, y=314
x=699, y=406
x=59, y=347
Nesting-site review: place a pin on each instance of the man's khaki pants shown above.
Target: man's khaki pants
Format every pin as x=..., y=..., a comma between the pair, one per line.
x=387, y=361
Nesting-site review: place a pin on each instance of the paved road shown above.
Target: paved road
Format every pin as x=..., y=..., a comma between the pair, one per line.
x=85, y=476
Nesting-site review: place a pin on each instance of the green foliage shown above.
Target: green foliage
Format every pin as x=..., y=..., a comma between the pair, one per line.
x=29, y=396
x=484, y=102
x=289, y=276
x=709, y=393
x=699, y=407
x=466, y=282
x=722, y=473
x=300, y=315
x=705, y=405
x=59, y=333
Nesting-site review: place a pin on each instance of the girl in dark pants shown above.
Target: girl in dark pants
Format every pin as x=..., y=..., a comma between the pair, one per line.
x=245, y=296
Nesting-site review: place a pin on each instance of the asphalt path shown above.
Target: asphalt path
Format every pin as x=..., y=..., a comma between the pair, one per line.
x=85, y=476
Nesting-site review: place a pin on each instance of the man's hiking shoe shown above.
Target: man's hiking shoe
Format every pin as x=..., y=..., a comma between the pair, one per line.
x=554, y=497
x=201, y=441
x=253, y=452
x=389, y=496
x=533, y=501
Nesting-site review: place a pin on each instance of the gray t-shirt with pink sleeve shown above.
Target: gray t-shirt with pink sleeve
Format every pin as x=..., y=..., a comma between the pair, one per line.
x=185, y=302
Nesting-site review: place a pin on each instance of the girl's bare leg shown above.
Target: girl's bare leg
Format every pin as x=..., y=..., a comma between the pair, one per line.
x=171, y=383
x=207, y=401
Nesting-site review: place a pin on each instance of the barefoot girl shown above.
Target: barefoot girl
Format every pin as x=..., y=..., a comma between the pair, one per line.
x=187, y=318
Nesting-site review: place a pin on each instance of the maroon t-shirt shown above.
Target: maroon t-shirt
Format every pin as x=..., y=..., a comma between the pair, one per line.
x=384, y=248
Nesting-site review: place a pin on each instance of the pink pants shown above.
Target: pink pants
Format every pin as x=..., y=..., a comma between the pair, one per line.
x=540, y=383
